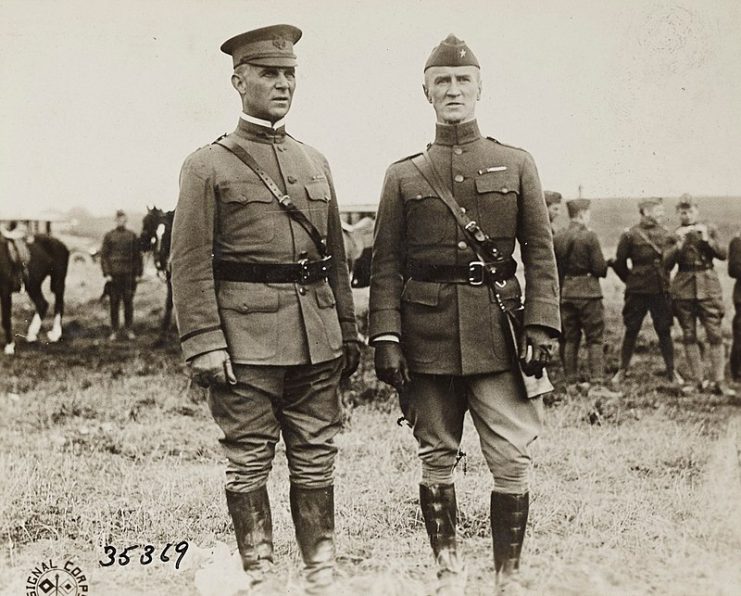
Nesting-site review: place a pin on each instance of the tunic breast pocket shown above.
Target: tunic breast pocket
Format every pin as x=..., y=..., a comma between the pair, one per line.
x=428, y=220
x=247, y=212
x=497, y=201
x=318, y=195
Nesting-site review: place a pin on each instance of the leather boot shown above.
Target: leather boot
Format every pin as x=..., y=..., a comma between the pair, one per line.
x=312, y=510
x=253, y=526
x=439, y=510
x=508, y=521
x=570, y=354
x=718, y=362
x=628, y=347
x=666, y=345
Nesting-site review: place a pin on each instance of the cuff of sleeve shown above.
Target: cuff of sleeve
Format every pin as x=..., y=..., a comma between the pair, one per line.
x=382, y=322
x=202, y=342
x=386, y=337
x=544, y=313
x=349, y=331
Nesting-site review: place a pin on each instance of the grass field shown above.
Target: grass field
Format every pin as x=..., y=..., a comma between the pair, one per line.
x=105, y=444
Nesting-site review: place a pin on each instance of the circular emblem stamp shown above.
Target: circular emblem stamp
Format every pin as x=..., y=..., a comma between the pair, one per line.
x=50, y=579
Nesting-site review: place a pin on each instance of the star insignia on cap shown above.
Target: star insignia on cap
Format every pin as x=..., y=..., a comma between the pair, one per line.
x=279, y=42
x=463, y=52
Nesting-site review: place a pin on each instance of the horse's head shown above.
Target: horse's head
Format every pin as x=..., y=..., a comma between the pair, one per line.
x=150, y=223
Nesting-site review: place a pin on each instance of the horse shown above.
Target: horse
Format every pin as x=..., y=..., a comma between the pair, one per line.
x=49, y=257
x=156, y=237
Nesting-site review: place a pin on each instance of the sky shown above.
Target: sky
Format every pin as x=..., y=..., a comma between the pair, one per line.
x=101, y=101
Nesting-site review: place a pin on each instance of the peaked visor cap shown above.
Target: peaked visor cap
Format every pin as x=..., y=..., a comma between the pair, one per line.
x=452, y=52
x=649, y=202
x=267, y=46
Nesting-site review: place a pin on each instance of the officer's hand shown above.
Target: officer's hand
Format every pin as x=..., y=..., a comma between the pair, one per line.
x=351, y=356
x=703, y=230
x=108, y=277
x=391, y=366
x=536, y=348
x=212, y=368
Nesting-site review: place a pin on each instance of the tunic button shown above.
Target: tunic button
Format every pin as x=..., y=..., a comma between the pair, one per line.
x=462, y=245
x=463, y=209
x=457, y=150
x=505, y=189
x=302, y=290
x=291, y=180
x=458, y=178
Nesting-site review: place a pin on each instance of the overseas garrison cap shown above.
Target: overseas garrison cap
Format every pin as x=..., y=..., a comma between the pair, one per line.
x=552, y=197
x=267, y=46
x=575, y=206
x=649, y=202
x=686, y=201
x=120, y=213
x=452, y=52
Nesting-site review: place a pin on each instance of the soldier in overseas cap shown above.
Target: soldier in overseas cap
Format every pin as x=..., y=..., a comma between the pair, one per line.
x=263, y=305
x=436, y=309
x=581, y=264
x=697, y=293
x=640, y=264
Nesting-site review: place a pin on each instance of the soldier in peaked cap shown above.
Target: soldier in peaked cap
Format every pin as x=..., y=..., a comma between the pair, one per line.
x=581, y=264
x=264, y=307
x=646, y=280
x=436, y=309
x=696, y=292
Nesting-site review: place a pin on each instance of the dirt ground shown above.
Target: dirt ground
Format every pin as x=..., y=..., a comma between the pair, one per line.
x=106, y=444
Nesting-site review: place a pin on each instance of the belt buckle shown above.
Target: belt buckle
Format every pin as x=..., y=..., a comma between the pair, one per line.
x=476, y=273
x=303, y=271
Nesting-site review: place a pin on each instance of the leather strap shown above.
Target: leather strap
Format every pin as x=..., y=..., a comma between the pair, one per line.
x=303, y=272
x=283, y=199
x=648, y=241
x=482, y=244
x=474, y=274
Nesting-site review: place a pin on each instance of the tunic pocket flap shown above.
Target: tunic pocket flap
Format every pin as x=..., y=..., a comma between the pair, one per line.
x=245, y=192
x=318, y=190
x=495, y=182
x=247, y=299
x=325, y=296
x=421, y=292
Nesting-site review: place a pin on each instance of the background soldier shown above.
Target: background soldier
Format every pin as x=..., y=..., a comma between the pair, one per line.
x=734, y=270
x=553, y=202
x=646, y=285
x=696, y=292
x=580, y=265
x=122, y=264
x=264, y=306
x=438, y=331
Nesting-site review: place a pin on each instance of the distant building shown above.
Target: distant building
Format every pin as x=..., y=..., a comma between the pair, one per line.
x=36, y=223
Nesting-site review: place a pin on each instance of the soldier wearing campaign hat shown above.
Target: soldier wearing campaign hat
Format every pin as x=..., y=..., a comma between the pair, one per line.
x=696, y=293
x=640, y=263
x=436, y=312
x=581, y=264
x=264, y=307
x=122, y=264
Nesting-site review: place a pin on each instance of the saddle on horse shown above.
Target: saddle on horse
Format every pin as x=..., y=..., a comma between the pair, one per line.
x=20, y=256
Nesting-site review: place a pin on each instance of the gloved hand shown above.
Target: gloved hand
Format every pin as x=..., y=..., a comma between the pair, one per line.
x=351, y=356
x=212, y=368
x=536, y=348
x=391, y=366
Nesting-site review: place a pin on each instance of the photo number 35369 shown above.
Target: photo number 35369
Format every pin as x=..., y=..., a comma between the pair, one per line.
x=147, y=556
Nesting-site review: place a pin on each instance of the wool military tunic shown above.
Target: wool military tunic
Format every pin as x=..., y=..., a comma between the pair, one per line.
x=580, y=262
x=226, y=212
x=696, y=278
x=645, y=245
x=120, y=254
x=448, y=328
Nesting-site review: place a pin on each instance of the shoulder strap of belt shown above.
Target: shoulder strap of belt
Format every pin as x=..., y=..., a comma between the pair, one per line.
x=283, y=199
x=479, y=240
x=648, y=241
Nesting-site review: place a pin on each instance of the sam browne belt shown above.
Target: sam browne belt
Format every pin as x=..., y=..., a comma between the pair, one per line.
x=303, y=272
x=476, y=273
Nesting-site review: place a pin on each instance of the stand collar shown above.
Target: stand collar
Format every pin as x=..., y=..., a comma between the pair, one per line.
x=256, y=129
x=457, y=134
